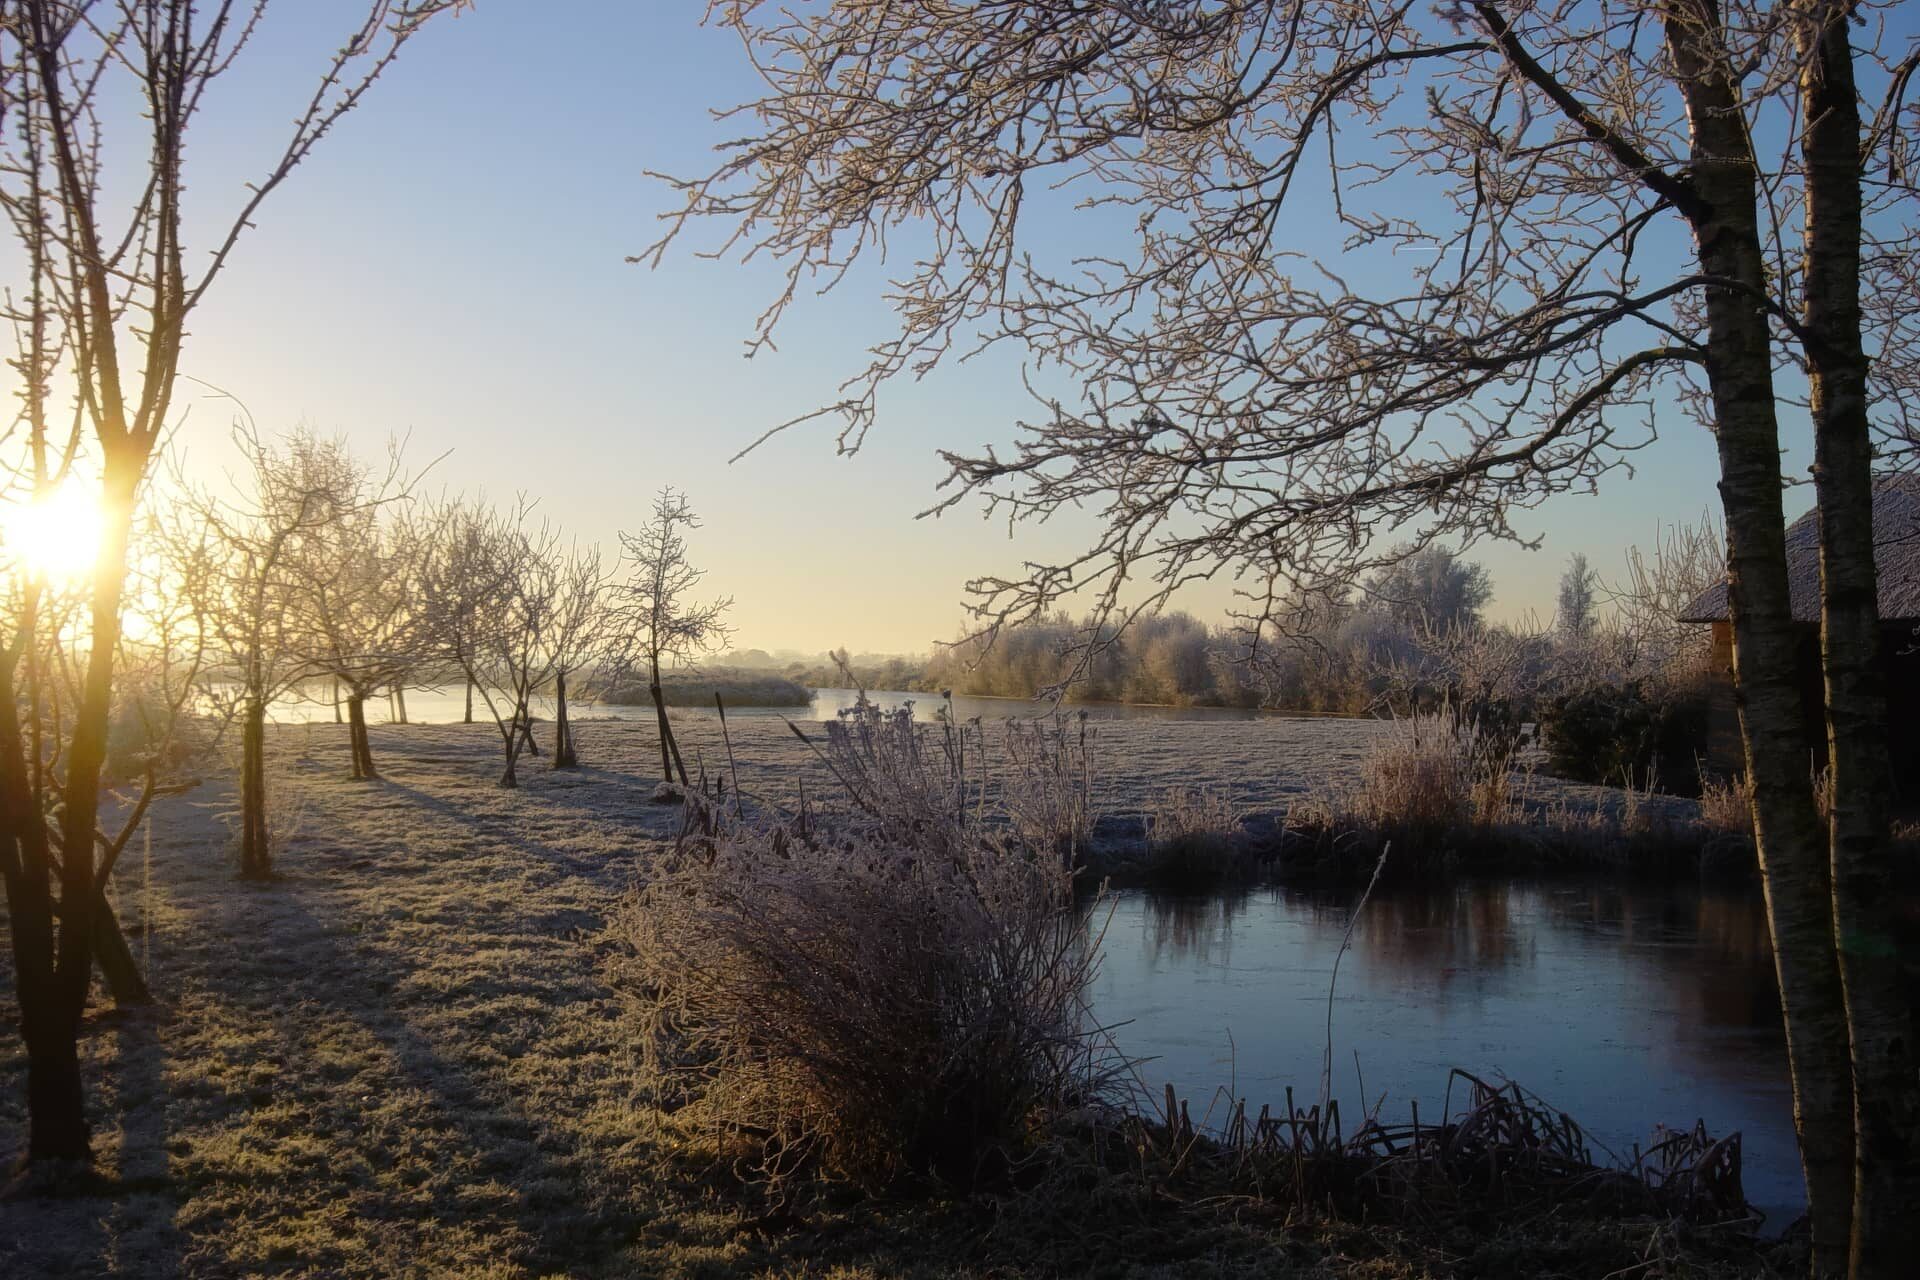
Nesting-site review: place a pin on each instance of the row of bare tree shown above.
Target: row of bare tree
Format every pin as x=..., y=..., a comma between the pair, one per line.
x=316, y=567
x=96, y=100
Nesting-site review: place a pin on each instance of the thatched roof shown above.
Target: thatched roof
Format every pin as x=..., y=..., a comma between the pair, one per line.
x=1896, y=530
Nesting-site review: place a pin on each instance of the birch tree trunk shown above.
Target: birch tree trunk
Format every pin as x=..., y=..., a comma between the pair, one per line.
x=1787, y=829
x=1885, y=1239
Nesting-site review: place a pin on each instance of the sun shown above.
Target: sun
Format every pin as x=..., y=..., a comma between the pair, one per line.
x=56, y=536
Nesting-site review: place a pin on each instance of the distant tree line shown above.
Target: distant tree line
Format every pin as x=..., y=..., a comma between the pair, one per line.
x=1411, y=635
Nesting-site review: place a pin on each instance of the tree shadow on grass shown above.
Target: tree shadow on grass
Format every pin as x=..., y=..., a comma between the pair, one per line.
x=426, y=1099
x=117, y=1220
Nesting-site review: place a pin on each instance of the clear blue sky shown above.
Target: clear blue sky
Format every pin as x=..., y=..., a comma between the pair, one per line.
x=451, y=264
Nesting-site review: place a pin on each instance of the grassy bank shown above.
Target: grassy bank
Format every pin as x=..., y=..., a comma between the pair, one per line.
x=1434, y=799
x=408, y=1055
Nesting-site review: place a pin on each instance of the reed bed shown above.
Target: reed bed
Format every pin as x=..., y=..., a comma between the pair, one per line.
x=1503, y=1150
x=1450, y=795
x=1196, y=839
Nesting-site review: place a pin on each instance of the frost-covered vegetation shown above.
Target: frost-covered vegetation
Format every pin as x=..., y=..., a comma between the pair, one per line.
x=697, y=689
x=443, y=1040
x=1409, y=636
x=875, y=1001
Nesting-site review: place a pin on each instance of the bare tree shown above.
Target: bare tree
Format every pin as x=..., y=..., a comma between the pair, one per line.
x=245, y=550
x=1596, y=228
x=518, y=637
x=100, y=305
x=1685, y=560
x=513, y=609
x=353, y=609
x=652, y=620
x=515, y=661
x=1431, y=588
x=573, y=638
x=159, y=656
x=464, y=572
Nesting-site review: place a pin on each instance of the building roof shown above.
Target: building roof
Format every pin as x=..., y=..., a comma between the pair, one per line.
x=1896, y=554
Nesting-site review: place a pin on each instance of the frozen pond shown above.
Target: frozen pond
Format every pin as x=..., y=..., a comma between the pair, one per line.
x=1622, y=1005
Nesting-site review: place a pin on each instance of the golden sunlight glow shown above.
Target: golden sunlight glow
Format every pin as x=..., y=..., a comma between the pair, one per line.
x=57, y=536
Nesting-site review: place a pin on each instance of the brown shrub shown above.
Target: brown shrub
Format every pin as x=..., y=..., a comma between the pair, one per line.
x=866, y=1004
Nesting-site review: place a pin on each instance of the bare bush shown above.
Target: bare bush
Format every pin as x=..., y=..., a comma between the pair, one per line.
x=864, y=1006
x=903, y=777
x=1047, y=787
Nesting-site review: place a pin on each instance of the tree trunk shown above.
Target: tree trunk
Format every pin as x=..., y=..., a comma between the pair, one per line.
x=469, y=719
x=523, y=719
x=400, y=703
x=256, y=847
x=56, y=1104
x=125, y=983
x=563, y=753
x=673, y=743
x=1886, y=1089
x=57, y=1122
x=1787, y=829
x=336, y=700
x=669, y=749
x=363, y=769
x=56, y=1101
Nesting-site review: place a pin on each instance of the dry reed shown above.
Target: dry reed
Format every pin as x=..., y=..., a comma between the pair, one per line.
x=1195, y=838
x=1504, y=1150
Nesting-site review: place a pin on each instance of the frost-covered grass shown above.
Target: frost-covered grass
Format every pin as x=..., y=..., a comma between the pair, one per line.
x=405, y=1055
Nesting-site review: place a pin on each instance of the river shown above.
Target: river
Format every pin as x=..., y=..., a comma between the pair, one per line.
x=447, y=705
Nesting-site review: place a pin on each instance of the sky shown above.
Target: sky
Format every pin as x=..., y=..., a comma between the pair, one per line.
x=451, y=266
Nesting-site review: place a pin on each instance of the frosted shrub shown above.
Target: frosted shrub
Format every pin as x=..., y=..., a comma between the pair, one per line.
x=867, y=1005
x=905, y=778
x=1046, y=786
x=1726, y=807
x=1417, y=778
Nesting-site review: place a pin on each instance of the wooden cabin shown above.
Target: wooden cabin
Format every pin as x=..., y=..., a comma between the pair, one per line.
x=1896, y=524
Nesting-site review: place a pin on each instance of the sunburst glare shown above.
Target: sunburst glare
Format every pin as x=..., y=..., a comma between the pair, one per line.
x=56, y=535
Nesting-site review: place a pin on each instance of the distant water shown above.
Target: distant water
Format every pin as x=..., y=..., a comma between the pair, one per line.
x=1622, y=1005
x=448, y=706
